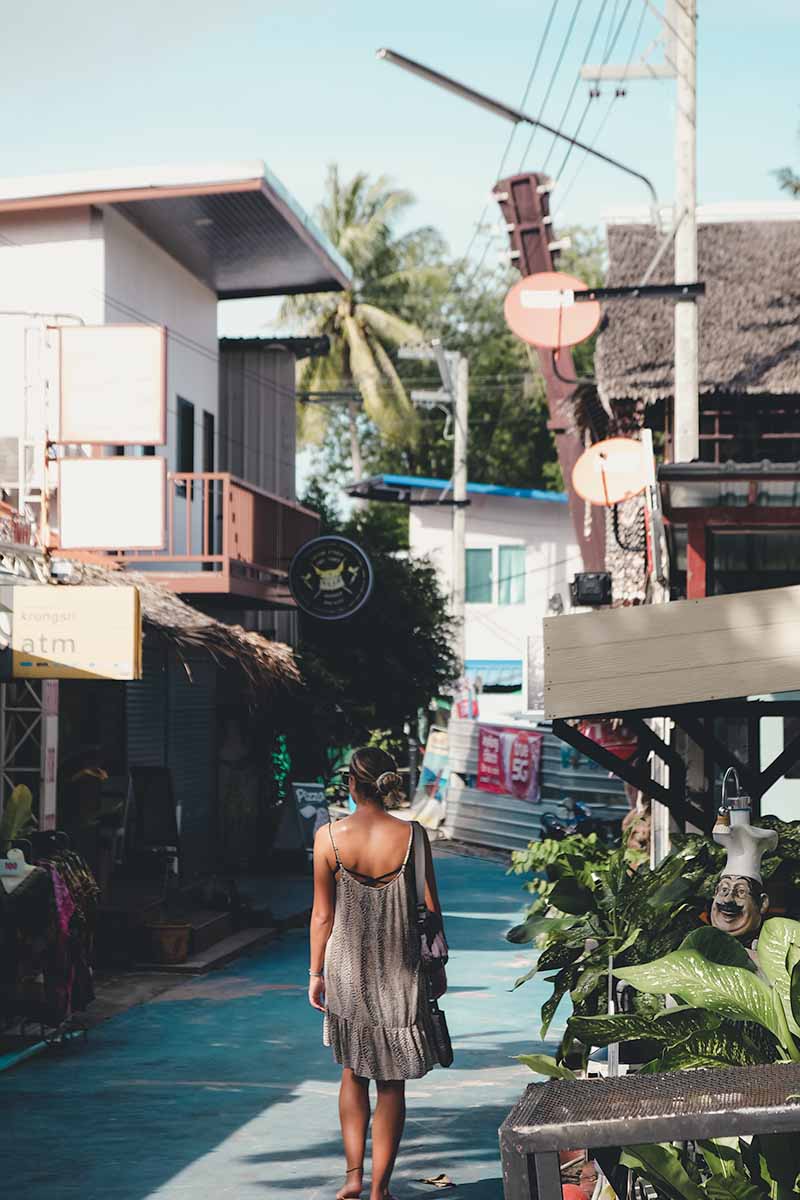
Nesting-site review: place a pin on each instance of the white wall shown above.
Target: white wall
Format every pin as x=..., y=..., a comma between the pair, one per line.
x=498, y=631
x=143, y=283
x=50, y=263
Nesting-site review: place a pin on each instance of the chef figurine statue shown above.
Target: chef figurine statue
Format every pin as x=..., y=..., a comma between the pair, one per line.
x=740, y=902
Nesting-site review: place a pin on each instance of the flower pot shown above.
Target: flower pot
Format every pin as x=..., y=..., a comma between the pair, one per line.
x=168, y=943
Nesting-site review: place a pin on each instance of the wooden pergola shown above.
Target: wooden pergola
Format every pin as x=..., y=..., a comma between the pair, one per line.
x=692, y=661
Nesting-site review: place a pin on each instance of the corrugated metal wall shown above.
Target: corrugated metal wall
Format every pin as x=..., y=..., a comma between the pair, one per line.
x=146, y=710
x=191, y=755
x=171, y=721
x=257, y=418
x=504, y=823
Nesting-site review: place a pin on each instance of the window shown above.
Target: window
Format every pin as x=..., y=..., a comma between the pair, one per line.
x=749, y=561
x=511, y=575
x=479, y=577
x=185, y=440
x=208, y=441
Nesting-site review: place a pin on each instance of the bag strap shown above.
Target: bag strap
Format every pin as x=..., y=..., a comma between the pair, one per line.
x=419, y=863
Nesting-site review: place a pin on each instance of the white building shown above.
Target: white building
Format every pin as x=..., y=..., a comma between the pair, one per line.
x=520, y=554
x=162, y=246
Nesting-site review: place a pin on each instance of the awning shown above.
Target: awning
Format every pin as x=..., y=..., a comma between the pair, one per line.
x=494, y=672
x=233, y=225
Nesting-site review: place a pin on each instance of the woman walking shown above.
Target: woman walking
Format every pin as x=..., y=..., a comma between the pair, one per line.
x=365, y=965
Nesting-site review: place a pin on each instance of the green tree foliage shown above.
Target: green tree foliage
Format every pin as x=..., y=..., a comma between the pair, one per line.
x=509, y=440
x=364, y=322
x=375, y=670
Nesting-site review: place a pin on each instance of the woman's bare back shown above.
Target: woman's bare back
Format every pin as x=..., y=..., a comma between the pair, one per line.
x=372, y=844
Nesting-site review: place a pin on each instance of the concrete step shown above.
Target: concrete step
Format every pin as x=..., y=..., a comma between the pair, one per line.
x=218, y=955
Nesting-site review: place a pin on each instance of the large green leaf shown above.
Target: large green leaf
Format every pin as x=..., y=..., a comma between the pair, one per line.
x=777, y=936
x=781, y=1152
x=669, y=1028
x=562, y=982
x=731, y=991
x=661, y=1166
x=569, y=896
x=524, y=978
x=718, y=947
x=559, y=954
x=733, y=1187
x=535, y=925
x=722, y=1155
x=543, y=1064
x=727, y=1045
x=587, y=981
x=794, y=993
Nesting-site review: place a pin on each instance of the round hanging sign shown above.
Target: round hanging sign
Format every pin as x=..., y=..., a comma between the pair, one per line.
x=330, y=578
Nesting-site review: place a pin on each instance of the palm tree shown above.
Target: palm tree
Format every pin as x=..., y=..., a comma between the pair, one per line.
x=362, y=322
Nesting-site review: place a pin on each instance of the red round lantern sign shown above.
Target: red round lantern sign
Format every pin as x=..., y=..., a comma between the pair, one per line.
x=541, y=310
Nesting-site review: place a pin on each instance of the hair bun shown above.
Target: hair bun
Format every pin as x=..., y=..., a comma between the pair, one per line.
x=388, y=782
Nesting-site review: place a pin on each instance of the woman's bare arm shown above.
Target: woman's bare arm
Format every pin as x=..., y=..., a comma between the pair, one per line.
x=321, y=914
x=431, y=890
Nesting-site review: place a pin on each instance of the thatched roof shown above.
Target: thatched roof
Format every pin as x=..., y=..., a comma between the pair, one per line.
x=268, y=666
x=749, y=317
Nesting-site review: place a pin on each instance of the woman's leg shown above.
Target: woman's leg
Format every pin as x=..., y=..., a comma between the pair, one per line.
x=387, y=1129
x=354, y=1118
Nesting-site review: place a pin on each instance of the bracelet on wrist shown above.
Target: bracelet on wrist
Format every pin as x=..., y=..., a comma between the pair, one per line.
x=317, y=974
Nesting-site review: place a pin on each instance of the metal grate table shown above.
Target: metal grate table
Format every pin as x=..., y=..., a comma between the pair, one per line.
x=637, y=1109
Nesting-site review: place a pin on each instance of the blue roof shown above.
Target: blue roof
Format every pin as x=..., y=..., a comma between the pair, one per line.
x=477, y=489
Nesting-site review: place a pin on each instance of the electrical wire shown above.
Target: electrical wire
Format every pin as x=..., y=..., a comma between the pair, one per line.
x=594, y=93
x=556, y=69
x=504, y=158
x=617, y=95
x=561, y=122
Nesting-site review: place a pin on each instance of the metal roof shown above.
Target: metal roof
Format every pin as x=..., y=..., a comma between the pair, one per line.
x=396, y=487
x=314, y=346
x=234, y=226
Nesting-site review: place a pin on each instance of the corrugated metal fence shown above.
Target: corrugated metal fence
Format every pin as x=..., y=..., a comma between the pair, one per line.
x=505, y=823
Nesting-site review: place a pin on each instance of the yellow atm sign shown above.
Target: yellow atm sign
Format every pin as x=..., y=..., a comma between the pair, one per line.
x=76, y=632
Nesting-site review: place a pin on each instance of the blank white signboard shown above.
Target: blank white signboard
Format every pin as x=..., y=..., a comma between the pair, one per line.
x=113, y=384
x=112, y=503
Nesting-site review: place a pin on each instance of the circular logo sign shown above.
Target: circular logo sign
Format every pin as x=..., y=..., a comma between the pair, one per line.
x=330, y=578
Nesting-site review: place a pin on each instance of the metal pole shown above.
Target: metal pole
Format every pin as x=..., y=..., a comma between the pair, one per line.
x=687, y=417
x=458, y=573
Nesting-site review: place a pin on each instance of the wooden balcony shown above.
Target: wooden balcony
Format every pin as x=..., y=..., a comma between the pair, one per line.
x=227, y=539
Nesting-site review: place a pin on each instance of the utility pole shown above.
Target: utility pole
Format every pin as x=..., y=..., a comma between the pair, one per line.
x=687, y=414
x=453, y=398
x=460, y=442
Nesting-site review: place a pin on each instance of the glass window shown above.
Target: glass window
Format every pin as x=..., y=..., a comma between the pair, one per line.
x=511, y=575
x=479, y=577
x=749, y=561
x=185, y=439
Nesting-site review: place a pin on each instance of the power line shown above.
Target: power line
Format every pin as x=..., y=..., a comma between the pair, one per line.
x=556, y=69
x=575, y=85
x=607, y=55
x=617, y=95
x=504, y=158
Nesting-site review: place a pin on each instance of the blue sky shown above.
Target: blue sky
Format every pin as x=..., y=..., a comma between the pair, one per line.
x=297, y=84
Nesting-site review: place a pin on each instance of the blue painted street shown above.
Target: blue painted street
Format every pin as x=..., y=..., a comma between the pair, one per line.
x=221, y=1087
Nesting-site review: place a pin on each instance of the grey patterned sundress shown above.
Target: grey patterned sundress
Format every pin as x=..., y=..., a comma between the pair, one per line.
x=376, y=1020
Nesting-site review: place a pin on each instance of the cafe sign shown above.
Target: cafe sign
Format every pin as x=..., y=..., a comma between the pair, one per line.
x=330, y=578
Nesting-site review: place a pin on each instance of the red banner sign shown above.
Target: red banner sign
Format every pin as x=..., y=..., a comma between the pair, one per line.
x=508, y=761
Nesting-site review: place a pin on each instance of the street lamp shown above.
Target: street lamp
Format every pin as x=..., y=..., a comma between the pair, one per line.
x=514, y=115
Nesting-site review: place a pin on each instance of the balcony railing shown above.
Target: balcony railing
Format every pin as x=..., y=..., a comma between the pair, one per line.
x=227, y=537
